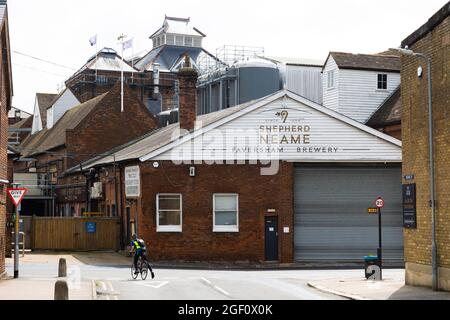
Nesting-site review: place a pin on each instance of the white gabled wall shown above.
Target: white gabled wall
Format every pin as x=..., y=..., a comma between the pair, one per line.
x=310, y=136
x=37, y=121
x=331, y=95
x=64, y=103
x=359, y=96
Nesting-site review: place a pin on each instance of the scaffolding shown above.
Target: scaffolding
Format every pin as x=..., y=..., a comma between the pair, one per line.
x=226, y=57
x=231, y=54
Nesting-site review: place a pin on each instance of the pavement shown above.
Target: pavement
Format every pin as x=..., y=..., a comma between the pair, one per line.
x=391, y=288
x=106, y=276
x=40, y=285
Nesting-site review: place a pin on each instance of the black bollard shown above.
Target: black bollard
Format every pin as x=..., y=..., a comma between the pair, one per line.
x=61, y=290
x=62, y=270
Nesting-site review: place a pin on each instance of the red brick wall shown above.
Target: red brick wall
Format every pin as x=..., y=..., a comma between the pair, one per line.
x=198, y=242
x=5, y=100
x=107, y=127
x=188, y=98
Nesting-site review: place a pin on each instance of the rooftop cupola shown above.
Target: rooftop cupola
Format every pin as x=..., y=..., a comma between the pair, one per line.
x=177, y=32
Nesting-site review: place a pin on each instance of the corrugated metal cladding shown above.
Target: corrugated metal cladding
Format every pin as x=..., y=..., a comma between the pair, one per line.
x=331, y=219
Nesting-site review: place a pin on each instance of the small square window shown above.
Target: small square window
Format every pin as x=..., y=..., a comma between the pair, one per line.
x=226, y=213
x=382, y=82
x=169, y=213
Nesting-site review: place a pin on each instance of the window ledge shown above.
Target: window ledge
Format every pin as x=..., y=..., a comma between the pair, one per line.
x=226, y=230
x=172, y=229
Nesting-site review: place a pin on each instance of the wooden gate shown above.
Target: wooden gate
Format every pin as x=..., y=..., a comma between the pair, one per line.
x=77, y=234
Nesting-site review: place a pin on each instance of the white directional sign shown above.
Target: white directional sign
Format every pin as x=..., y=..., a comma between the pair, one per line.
x=379, y=203
x=132, y=182
x=17, y=195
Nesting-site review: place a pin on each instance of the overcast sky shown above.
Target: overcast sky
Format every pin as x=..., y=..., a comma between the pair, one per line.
x=59, y=31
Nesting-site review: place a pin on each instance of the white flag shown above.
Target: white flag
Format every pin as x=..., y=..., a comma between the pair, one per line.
x=128, y=44
x=93, y=40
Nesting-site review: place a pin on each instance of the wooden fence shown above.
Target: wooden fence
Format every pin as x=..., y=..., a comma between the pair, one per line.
x=77, y=234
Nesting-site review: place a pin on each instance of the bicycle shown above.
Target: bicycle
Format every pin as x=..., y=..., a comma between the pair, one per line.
x=143, y=267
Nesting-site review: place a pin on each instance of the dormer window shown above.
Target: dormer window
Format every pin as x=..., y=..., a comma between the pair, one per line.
x=382, y=81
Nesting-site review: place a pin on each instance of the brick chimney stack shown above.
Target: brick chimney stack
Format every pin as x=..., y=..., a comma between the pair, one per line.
x=187, y=77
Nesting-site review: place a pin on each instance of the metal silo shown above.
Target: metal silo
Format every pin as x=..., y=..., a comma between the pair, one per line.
x=257, y=78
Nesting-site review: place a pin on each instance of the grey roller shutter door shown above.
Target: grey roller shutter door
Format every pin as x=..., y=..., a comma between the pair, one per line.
x=331, y=219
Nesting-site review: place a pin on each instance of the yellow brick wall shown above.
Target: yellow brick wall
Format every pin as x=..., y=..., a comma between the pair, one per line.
x=415, y=143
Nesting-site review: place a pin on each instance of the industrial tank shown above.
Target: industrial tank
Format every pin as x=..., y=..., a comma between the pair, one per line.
x=245, y=80
x=257, y=78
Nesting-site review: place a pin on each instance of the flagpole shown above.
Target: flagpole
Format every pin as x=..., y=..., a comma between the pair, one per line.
x=132, y=63
x=121, y=74
x=96, y=58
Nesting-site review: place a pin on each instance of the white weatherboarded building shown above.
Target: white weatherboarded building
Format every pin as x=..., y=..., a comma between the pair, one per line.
x=356, y=85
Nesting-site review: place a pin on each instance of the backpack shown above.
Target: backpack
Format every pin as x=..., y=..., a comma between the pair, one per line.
x=141, y=243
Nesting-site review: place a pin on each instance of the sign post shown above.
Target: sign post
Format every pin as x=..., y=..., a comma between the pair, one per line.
x=380, y=204
x=16, y=195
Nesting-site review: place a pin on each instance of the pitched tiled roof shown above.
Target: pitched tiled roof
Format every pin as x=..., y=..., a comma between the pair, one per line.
x=156, y=139
x=389, y=113
x=55, y=137
x=45, y=101
x=376, y=62
x=24, y=123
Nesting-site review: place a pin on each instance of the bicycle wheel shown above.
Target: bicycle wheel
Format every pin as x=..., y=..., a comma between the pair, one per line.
x=144, y=270
x=134, y=275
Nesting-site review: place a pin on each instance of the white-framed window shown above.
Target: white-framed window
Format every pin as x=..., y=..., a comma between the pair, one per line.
x=188, y=41
x=170, y=39
x=226, y=213
x=169, y=213
x=382, y=81
x=331, y=80
x=179, y=40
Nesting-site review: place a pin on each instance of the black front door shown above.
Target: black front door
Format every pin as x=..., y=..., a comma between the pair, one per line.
x=271, y=239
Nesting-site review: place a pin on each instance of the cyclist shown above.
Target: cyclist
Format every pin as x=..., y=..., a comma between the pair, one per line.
x=138, y=246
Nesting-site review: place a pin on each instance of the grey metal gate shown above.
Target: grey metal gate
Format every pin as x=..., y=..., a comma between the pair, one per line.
x=331, y=219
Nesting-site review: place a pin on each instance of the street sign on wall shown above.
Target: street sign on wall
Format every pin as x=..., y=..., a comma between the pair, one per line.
x=409, y=206
x=132, y=182
x=372, y=211
x=91, y=227
x=16, y=195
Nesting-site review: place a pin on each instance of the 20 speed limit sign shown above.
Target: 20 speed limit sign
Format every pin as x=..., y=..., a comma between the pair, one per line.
x=379, y=203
